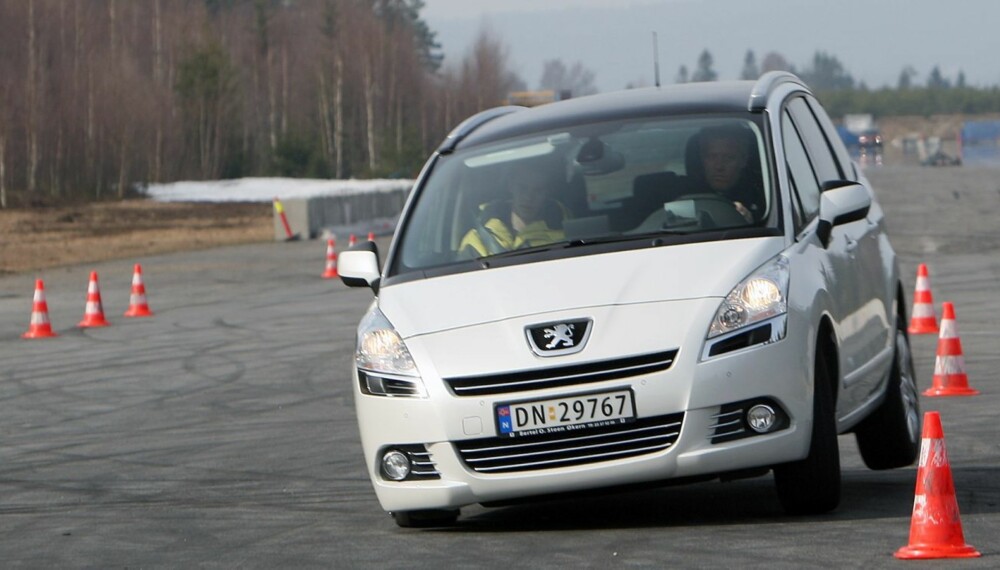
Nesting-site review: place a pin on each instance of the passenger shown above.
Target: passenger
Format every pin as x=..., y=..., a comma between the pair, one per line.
x=530, y=217
x=725, y=159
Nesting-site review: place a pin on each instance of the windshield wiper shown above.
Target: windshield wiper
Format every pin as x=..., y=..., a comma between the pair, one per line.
x=524, y=251
x=580, y=242
x=624, y=237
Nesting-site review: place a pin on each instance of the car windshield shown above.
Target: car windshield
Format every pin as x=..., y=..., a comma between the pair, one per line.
x=591, y=184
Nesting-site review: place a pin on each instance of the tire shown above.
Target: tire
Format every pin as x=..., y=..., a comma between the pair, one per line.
x=425, y=519
x=890, y=437
x=812, y=485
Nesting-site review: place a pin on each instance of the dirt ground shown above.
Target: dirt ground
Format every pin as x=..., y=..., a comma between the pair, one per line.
x=38, y=238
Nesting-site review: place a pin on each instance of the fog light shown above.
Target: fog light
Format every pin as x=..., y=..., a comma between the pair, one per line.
x=761, y=418
x=395, y=465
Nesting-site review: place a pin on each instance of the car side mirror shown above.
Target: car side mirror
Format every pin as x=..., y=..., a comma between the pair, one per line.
x=834, y=184
x=359, y=266
x=841, y=205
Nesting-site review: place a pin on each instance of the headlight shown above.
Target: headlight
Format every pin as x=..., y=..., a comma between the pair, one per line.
x=761, y=296
x=385, y=367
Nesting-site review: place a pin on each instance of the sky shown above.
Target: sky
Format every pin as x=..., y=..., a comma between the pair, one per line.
x=873, y=39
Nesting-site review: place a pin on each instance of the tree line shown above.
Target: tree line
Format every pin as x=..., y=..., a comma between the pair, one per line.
x=98, y=96
x=829, y=78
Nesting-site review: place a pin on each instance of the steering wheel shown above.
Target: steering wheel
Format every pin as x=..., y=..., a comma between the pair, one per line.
x=720, y=211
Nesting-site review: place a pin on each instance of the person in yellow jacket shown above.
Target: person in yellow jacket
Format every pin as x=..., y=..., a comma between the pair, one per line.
x=529, y=218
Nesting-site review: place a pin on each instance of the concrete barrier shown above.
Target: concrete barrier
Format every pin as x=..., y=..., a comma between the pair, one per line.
x=357, y=212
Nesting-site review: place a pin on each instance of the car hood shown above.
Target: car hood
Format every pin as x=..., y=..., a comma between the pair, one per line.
x=690, y=271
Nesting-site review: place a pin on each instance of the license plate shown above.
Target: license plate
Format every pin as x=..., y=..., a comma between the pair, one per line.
x=565, y=414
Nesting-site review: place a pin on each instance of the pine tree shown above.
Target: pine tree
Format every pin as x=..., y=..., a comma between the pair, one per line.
x=937, y=81
x=750, y=69
x=682, y=75
x=704, y=71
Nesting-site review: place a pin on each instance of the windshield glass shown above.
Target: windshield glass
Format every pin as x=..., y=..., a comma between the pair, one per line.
x=591, y=184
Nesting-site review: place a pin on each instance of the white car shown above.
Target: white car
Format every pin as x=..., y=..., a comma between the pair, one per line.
x=576, y=298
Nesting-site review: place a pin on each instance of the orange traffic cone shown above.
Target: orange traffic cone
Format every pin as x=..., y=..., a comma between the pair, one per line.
x=352, y=241
x=137, y=306
x=371, y=236
x=949, y=367
x=93, y=313
x=40, y=326
x=331, y=260
x=922, y=320
x=935, y=527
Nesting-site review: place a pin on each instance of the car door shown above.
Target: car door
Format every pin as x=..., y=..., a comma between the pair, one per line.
x=834, y=261
x=870, y=322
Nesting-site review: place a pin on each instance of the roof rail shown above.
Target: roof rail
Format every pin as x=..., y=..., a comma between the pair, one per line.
x=472, y=123
x=766, y=84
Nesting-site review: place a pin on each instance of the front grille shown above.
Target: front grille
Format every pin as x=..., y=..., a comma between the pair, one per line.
x=549, y=451
x=555, y=377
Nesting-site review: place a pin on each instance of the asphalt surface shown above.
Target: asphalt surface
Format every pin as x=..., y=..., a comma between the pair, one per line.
x=220, y=432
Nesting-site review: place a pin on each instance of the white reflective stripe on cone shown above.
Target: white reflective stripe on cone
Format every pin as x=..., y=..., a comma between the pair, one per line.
x=946, y=365
x=948, y=329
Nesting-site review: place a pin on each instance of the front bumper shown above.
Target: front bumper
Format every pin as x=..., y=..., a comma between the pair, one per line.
x=689, y=396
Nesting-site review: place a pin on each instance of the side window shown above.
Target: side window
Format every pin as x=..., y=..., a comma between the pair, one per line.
x=816, y=145
x=833, y=138
x=805, y=187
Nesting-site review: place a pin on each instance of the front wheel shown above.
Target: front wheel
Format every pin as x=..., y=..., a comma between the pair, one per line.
x=812, y=485
x=890, y=437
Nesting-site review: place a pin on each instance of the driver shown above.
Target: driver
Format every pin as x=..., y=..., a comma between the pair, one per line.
x=724, y=154
x=530, y=217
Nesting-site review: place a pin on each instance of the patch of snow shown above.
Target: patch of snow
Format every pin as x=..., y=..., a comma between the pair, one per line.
x=267, y=189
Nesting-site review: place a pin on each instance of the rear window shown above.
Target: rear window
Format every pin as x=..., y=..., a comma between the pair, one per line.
x=593, y=183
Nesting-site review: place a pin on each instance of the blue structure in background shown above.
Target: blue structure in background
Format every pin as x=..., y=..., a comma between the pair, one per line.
x=981, y=142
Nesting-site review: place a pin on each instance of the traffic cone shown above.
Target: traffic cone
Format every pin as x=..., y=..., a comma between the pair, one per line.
x=949, y=367
x=935, y=526
x=922, y=320
x=352, y=241
x=40, y=326
x=93, y=313
x=137, y=306
x=371, y=236
x=331, y=260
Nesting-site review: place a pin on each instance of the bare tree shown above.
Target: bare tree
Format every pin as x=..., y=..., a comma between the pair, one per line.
x=32, y=97
x=3, y=171
x=486, y=77
x=100, y=94
x=577, y=80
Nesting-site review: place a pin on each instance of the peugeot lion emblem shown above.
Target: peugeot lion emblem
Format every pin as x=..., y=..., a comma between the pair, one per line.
x=558, y=338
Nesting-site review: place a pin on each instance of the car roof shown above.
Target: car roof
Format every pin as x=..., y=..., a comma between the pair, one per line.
x=683, y=99
x=679, y=99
